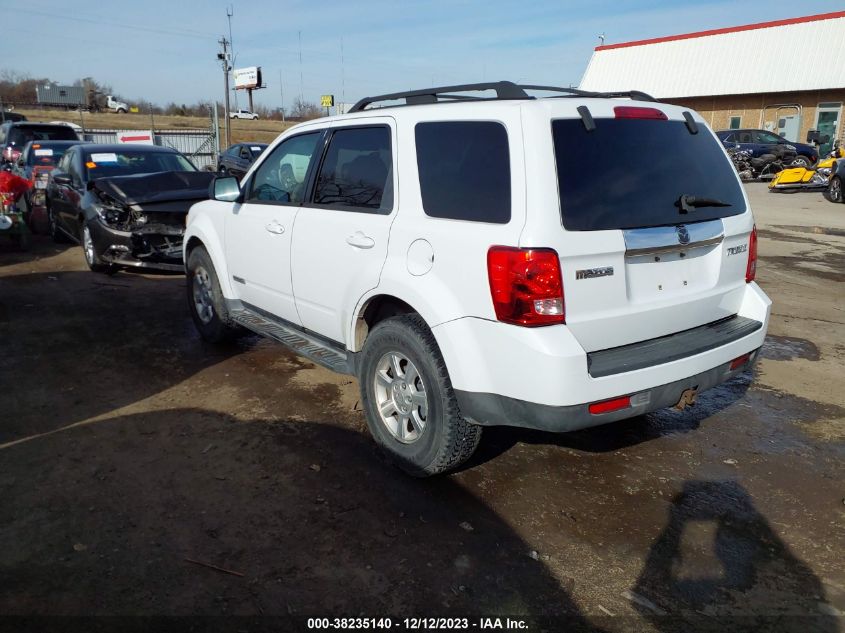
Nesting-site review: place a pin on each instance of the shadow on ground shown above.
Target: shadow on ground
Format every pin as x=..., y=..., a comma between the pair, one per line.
x=307, y=512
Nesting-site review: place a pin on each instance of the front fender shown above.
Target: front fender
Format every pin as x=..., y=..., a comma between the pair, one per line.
x=205, y=223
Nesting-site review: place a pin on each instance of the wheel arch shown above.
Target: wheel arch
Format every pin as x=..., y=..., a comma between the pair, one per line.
x=373, y=308
x=201, y=232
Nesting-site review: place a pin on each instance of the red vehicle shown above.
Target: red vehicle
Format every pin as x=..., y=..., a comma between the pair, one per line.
x=35, y=163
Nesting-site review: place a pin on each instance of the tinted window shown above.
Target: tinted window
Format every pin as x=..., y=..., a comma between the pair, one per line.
x=767, y=137
x=464, y=169
x=281, y=176
x=744, y=137
x=357, y=170
x=730, y=138
x=233, y=150
x=44, y=156
x=20, y=135
x=646, y=166
x=107, y=163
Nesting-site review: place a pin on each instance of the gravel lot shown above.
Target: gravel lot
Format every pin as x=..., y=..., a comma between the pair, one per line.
x=128, y=447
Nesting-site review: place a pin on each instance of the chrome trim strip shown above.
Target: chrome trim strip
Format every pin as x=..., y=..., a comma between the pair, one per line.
x=666, y=239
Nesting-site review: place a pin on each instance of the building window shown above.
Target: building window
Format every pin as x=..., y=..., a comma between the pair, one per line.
x=736, y=121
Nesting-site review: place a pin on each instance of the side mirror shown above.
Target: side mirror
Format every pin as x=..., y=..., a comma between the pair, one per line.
x=225, y=189
x=61, y=179
x=21, y=163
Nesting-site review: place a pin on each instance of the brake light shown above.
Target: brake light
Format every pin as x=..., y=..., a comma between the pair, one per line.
x=751, y=269
x=526, y=285
x=635, y=112
x=606, y=406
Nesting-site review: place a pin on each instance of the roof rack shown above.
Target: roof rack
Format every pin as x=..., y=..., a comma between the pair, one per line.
x=505, y=90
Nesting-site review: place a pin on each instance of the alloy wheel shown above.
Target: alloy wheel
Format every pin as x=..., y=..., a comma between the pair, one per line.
x=401, y=397
x=202, y=292
x=88, y=246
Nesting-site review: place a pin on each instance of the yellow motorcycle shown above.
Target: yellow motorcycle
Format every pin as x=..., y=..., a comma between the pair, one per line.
x=801, y=178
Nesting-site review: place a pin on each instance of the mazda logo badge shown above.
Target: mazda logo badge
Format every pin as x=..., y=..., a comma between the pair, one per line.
x=683, y=234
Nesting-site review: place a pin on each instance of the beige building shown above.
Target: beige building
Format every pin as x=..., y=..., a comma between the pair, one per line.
x=785, y=76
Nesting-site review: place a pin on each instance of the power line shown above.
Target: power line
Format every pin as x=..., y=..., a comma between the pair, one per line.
x=134, y=27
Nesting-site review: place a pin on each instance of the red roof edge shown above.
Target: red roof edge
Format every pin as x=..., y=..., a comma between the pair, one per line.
x=732, y=29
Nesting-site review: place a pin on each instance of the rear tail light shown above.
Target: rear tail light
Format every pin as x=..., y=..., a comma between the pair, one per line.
x=751, y=269
x=606, y=406
x=635, y=112
x=526, y=285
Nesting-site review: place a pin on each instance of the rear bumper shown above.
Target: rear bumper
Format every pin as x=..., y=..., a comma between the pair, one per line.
x=540, y=377
x=488, y=409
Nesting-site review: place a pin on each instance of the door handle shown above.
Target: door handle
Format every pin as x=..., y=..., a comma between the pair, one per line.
x=359, y=240
x=275, y=227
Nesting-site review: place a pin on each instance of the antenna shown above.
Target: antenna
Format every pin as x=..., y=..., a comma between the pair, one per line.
x=601, y=39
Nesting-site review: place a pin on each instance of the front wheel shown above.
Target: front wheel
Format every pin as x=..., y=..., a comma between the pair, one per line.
x=834, y=190
x=408, y=399
x=801, y=161
x=205, y=299
x=92, y=255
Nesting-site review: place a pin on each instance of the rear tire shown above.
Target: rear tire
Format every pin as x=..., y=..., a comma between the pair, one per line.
x=408, y=399
x=205, y=299
x=834, y=190
x=54, y=230
x=801, y=161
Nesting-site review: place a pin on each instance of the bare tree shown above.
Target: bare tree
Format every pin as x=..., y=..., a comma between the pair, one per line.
x=303, y=110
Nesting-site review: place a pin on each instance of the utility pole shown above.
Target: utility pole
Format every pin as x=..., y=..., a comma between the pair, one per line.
x=300, y=65
x=223, y=56
x=282, y=94
x=230, y=11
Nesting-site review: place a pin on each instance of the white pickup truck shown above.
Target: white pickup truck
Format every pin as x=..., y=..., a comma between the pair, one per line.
x=243, y=114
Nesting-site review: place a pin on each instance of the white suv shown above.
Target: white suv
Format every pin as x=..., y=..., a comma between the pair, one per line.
x=243, y=114
x=477, y=256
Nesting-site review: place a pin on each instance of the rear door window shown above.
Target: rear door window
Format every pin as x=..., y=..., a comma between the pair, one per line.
x=357, y=171
x=631, y=173
x=464, y=169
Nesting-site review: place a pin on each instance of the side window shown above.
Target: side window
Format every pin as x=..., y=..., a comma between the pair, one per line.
x=72, y=169
x=744, y=137
x=730, y=138
x=766, y=137
x=357, y=171
x=464, y=169
x=281, y=176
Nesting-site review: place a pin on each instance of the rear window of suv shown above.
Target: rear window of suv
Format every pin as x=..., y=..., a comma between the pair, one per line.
x=631, y=173
x=464, y=169
x=21, y=135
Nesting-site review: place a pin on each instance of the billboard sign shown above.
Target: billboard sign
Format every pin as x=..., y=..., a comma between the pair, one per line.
x=327, y=101
x=247, y=78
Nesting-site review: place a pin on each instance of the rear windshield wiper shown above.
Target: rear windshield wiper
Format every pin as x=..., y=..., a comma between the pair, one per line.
x=687, y=203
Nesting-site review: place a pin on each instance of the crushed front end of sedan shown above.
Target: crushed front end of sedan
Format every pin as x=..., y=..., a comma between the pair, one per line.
x=142, y=217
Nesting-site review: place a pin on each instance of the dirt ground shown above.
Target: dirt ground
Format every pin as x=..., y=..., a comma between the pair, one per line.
x=129, y=448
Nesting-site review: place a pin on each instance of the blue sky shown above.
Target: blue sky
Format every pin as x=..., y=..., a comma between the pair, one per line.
x=164, y=50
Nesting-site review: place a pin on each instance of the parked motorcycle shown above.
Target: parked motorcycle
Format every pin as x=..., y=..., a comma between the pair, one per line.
x=762, y=167
x=800, y=178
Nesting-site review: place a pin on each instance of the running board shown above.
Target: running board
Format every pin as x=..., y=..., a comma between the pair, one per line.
x=312, y=347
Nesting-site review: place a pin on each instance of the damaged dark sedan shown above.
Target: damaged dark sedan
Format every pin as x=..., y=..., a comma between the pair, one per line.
x=125, y=205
